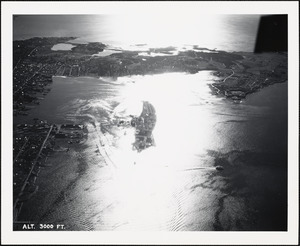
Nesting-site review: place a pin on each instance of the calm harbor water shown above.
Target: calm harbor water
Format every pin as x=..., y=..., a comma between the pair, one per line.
x=174, y=185
x=182, y=101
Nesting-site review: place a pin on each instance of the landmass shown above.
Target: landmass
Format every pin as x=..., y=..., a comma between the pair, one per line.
x=35, y=62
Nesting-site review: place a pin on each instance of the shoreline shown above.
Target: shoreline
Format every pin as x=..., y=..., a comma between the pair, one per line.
x=81, y=157
x=83, y=163
x=35, y=64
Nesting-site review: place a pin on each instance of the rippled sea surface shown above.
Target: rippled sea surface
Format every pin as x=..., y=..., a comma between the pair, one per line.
x=173, y=185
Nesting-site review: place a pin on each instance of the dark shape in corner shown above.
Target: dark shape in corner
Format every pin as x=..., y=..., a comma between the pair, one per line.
x=272, y=34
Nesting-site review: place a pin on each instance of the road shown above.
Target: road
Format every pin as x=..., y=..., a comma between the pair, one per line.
x=35, y=73
x=18, y=203
x=229, y=75
x=102, y=184
x=27, y=56
x=21, y=150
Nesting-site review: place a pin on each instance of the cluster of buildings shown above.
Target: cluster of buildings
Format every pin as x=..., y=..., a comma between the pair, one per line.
x=144, y=125
x=30, y=84
x=32, y=145
x=71, y=133
x=68, y=70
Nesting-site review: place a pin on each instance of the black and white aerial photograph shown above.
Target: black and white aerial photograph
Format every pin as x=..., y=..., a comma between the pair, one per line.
x=151, y=117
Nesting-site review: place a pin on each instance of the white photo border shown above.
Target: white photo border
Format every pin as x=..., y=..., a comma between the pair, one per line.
x=8, y=9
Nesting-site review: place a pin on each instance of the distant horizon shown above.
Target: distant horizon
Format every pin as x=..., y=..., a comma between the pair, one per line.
x=221, y=32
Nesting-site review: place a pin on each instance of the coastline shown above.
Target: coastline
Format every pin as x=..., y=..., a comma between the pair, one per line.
x=250, y=71
x=88, y=165
x=90, y=142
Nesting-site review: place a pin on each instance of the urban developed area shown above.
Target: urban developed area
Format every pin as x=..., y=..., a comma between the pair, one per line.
x=35, y=62
x=33, y=143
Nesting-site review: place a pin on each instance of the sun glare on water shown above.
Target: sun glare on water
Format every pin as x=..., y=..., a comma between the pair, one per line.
x=145, y=182
x=180, y=128
x=161, y=30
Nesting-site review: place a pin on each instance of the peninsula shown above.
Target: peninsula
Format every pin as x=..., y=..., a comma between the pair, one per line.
x=35, y=62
